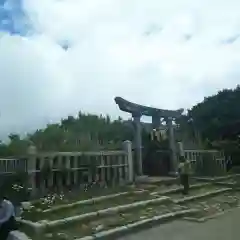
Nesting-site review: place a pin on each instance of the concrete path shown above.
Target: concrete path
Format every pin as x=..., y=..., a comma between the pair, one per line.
x=225, y=227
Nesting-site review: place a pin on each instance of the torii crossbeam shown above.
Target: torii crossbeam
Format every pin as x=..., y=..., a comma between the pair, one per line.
x=137, y=112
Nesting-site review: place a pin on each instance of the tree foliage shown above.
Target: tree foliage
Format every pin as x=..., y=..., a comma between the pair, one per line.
x=85, y=132
x=218, y=117
x=216, y=120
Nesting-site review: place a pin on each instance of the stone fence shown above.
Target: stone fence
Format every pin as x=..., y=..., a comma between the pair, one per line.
x=69, y=169
x=63, y=169
x=11, y=165
x=206, y=162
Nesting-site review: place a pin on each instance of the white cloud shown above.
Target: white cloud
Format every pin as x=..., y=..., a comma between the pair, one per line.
x=166, y=54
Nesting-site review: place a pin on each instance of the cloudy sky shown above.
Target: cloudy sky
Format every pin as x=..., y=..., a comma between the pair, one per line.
x=61, y=56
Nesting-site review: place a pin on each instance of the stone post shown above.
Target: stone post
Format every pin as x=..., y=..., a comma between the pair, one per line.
x=59, y=168
x=108, y=164
x=31, y=168
x=115, y=169
x=180, y=149
x=32, y=173
x=127, y=145
x=172, y=145
x=138, y=142
x=68, y=168
x=75, y=172
x=50, y=177
x=120, y=169
x=102, y=170
x=42, y=181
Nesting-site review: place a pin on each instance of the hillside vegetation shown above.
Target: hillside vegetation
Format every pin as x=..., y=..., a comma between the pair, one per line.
x=215, y=121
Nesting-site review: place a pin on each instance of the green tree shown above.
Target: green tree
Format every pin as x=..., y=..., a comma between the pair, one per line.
x=17, y=146
x=218, y=116
x=82, y=133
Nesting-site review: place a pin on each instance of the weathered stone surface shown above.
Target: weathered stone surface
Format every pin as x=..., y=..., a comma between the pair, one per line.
x=56, y=222
x=210, y=193
x=99, y=227
x=86, y=238
x=111, y=232
x=71, y=219
x=17, y=235
x=35, y=226
x=48, y=235
x=62, y=236
x=108, y=211
x=43, y=222
x=26, y=205
x=138, y=224
x=178, y=189
x=213, y=179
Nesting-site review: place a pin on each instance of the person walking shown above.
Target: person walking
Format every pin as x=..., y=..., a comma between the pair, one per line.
x=7, y=218
x=184, y=172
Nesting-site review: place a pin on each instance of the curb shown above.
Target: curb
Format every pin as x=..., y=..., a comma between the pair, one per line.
x=226, y=184
x=92, y=200
x=138, y=226
x=175, y=190
x=41, y=227
x=158, y=181
x=17, y=235
x=192, y=198
x=204, y=219
x=35, y=227
x=212, y=179
x=106, y=212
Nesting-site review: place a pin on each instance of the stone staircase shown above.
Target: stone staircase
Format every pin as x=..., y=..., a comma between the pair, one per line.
x=155, y=200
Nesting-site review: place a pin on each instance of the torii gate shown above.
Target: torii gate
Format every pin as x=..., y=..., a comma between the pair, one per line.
x=157, y=115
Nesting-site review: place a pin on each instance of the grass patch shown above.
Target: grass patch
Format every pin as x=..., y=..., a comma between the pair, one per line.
x=67, y=197
x=90, y=227
x=86, y=208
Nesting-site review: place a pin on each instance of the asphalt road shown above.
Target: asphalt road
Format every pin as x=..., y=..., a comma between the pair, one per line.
x=225, y=227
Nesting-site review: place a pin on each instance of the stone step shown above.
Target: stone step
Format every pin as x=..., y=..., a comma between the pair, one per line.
x=220, y=178
x=214, y=206
x=203, y=195
x=106, y=226
x=155, y=180
x=17, y=235
x=84, y=207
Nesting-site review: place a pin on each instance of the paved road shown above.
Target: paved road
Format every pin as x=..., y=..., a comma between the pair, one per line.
x=226, y=227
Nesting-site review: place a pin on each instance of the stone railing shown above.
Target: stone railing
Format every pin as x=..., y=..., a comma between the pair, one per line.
x=11, y=165
x=206, y=162
x=60, y=169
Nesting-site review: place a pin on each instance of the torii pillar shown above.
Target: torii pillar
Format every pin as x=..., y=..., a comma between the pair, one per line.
x=138, y=142
x=172, y=145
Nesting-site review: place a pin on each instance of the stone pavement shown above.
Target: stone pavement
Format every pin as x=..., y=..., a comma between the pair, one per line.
x=225, y=227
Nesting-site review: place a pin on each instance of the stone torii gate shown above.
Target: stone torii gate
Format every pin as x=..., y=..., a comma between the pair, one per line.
x=158, y=115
